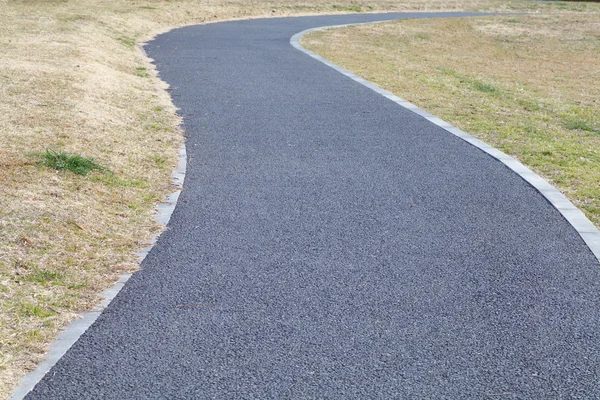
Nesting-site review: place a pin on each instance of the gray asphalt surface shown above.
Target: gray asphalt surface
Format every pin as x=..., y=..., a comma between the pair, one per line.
x=328, y=244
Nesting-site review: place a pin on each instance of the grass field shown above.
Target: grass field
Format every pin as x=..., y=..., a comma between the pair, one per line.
x=89, y=136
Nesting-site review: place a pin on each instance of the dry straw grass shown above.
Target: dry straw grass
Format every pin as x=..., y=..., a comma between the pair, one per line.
x=527, y=84
x=72, y=79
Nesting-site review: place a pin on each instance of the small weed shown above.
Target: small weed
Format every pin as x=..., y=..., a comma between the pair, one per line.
x=141, y=72
x=44, y=276
x=148, y=8
x=421, y=36
x=581, y=125
x=484, y=87
x=70, y=162
x=156, y=127
x=513, y=21
x=159, y=161
x=140, y=203
x=34, y=335
x=127, y=41
x=76, y=286
x=34, y=310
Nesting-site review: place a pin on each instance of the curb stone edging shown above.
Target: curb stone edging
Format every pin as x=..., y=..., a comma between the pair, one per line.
x=67, y=338
x=584, y=227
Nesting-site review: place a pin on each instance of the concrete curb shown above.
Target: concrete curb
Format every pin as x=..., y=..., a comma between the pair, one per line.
x=73, y=331
x=586, y=229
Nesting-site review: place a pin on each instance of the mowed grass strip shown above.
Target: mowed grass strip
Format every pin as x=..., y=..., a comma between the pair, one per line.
x=88, y=139
x=526, y=84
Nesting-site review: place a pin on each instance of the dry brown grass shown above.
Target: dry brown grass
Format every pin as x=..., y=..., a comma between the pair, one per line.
x=527, y=84
x=73, y=79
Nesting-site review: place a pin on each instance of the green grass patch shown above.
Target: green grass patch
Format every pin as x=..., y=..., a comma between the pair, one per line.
x=484, y=87
x=34, y=310
x=128, y=42
x=70, y=162
x=529, y=105
x=156, y=127
x=76, y=286
x=447, y=71
x=580, y=124
x=141, y=72
x=159, y=161
x=45, y=276
x=142, y=202
x=462, y=77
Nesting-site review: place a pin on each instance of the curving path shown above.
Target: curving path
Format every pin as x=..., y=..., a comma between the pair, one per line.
x=329, y=244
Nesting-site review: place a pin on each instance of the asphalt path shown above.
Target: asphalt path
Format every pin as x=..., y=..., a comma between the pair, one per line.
x=329, y=244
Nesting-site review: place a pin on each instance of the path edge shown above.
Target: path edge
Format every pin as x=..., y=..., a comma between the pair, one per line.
x=67, y=338
x=584, y=227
